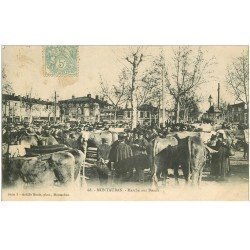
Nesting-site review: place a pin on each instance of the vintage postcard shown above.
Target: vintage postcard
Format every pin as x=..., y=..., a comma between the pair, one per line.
x=125, y=122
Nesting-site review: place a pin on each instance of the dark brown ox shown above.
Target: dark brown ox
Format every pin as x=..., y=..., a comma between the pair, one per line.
x=162, y=157
x=191, y=156
x=137, y=162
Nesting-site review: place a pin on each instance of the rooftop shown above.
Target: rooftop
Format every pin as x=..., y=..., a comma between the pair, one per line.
x=86, y=99
x=240, y=104
x=13, y=97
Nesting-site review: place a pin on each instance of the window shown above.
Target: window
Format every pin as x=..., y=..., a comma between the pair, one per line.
x=128, y=114
x=141, y=114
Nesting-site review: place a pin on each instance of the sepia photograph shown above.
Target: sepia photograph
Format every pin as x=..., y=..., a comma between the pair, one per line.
x=125, y=122
x=124, y=125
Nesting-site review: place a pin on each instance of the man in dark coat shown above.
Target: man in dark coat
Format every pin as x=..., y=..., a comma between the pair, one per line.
x=122, y=151
x=140, y=145
x=119, y=152
x=220, y=161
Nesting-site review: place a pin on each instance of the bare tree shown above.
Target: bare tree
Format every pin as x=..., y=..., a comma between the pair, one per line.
x=189, y=104
x=116, y=94
x=155, y=85
x=186, y=71
x=238, y=77
x=151, y=87
x=6, y=86
x=135, y=58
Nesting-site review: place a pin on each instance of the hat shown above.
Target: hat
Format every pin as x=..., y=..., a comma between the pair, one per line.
x=127, y=130
x=122, y=135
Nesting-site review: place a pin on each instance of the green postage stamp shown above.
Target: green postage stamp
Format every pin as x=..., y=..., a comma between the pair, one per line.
x=61, y=60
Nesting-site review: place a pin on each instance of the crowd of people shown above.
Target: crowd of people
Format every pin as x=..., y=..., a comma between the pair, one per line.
x=45, y=128
x=130, y=142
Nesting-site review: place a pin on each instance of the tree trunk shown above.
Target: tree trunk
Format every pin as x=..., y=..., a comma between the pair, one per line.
x=159, y=113
x=134, y=113
x=115, y=116
x=133, y=101
x=136, y=60
x=177, y=117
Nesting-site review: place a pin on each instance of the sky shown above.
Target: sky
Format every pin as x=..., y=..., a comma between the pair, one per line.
x=24, y=68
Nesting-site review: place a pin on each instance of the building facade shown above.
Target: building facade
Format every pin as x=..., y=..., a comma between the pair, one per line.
x=27, y=109
x=146, y=114
x=86, y=109
x=237, y=113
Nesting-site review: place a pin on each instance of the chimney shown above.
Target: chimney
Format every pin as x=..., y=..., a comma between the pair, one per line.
x=89, y=95
x=73, y=96
x=218, y=95
x=97, y=97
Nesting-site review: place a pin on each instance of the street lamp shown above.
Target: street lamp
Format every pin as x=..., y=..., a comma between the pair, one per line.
x=210, y=99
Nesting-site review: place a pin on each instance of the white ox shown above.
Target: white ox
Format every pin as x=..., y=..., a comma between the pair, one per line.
x=205, y=136
x=14, y=150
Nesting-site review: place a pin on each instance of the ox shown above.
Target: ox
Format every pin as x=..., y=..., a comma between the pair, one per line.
x=171, y=152
x=35, y=140
x=162, y=156
x=191, y=156
x=62, y=167
x=93, y=138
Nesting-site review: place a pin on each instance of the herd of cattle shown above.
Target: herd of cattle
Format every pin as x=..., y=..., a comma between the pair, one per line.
x=46, y=160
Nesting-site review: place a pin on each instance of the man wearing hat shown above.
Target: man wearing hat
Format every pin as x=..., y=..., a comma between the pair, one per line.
x=120, y=152
x=141, y=144
x=220, y=164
